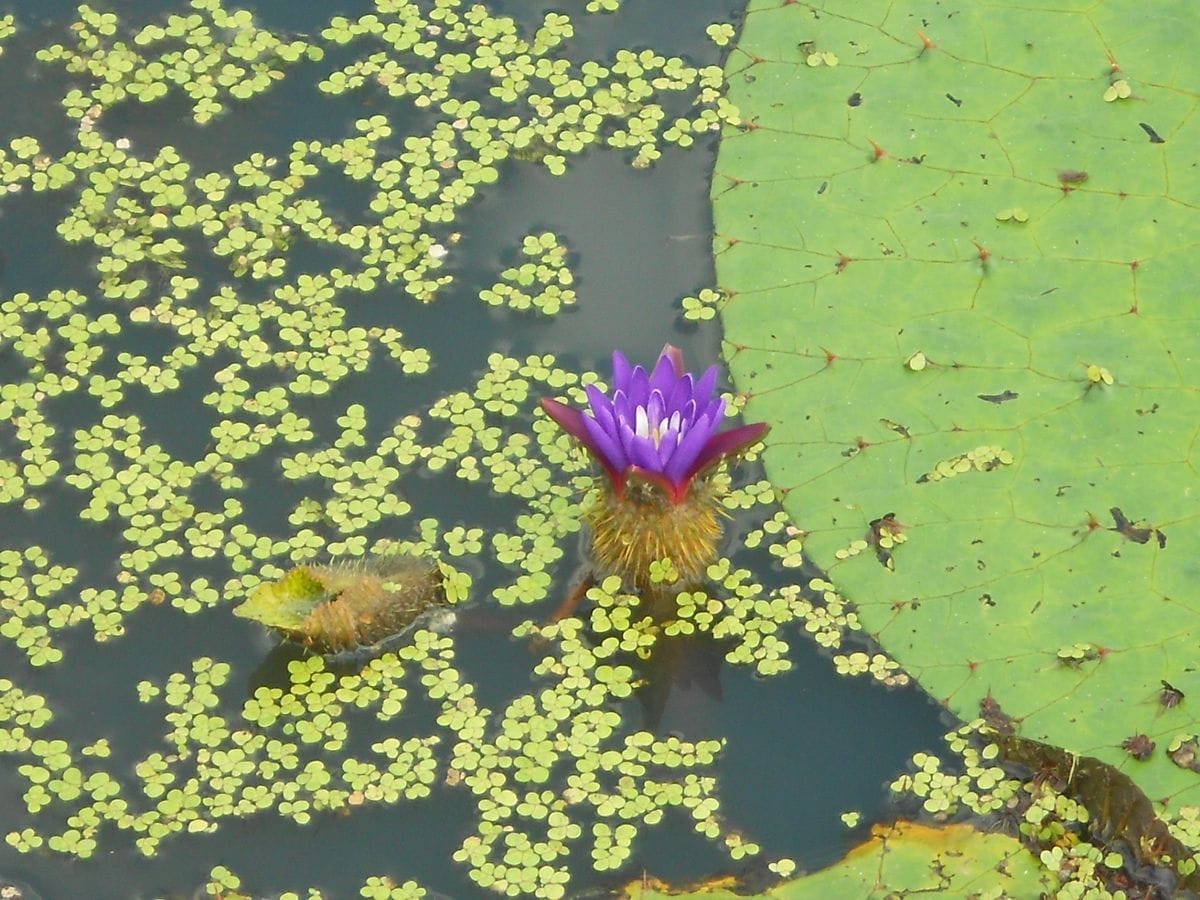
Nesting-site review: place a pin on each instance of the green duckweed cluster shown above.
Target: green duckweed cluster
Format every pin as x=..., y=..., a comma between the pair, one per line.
x=225, y=885
x=276, y=334
x=543, y=282
x=703, y=307
x=534, y=769
x=212, y=55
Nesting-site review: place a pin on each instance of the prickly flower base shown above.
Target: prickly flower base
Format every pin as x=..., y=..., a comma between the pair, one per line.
x=641, y=526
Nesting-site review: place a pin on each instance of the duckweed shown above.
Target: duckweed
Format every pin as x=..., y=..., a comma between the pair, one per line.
x=212, y=55
x=202, y=286
x=541, y=283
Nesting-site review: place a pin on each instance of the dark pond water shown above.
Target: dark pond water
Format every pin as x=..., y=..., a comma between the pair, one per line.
x=803, y=747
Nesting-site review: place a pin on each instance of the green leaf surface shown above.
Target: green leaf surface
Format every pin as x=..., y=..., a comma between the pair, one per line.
x=1017, y=390
x=286, y=603
x=909, y=859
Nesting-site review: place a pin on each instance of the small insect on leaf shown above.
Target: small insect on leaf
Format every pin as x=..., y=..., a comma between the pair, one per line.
x=1118, y=90
x=1072, y=176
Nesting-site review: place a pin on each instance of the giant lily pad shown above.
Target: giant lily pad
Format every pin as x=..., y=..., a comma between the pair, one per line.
x=960, y=267
x=908, y=859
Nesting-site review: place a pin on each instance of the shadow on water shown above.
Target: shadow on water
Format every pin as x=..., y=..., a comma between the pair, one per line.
x=802, y=747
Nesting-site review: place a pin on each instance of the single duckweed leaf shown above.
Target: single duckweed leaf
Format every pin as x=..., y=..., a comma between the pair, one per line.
x=1118, y=90
x=851, y=237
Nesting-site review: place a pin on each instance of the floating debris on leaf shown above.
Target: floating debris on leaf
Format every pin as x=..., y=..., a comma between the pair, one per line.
x=1013, y=214
x=1002, y=397
x=1098, y=375
x=1135, y=533
x=981, y=459
x=884, y=535
x=1074, y=654
x=995, y=717
x=1155, y=137
x=1170, y=696
x=1139, y=746
x=347, y=606
x=1185, y=752
x=1120, y=817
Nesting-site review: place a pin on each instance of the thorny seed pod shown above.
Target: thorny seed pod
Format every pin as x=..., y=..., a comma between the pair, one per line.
x=347, y=605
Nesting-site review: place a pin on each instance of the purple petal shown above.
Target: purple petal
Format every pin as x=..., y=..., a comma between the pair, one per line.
x=714, y=411
x=667, y=445
x=568, y=418
x=706, y=384
x=605, y=446
x=643, y=453
x=602, y=409
x=729, y=442
x=688, y=413
x=622, y=410
x=621, y=371
x=654, y=408
x=665, y=374
x=639, y=387
x=585, y=430
x=627, y=436
x=674, y=354
x=680, y=394
x=681, y=466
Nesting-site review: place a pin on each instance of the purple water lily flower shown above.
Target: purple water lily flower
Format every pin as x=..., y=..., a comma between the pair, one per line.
x=661, y=426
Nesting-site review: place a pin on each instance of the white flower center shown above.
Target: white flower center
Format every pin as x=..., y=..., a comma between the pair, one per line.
x=657, y=429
